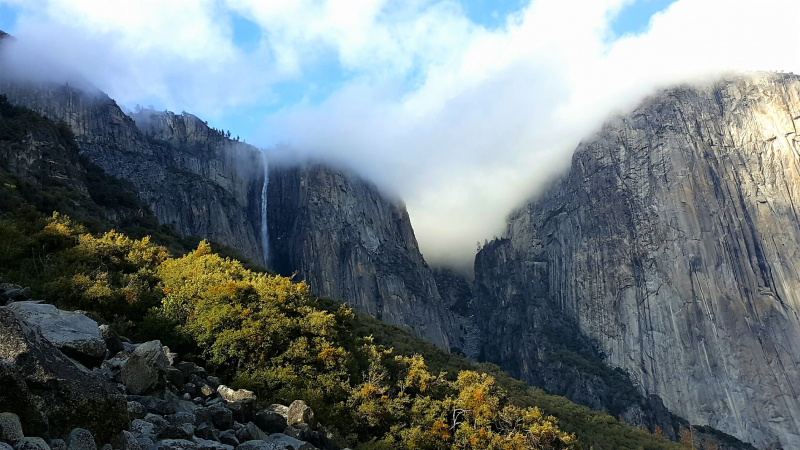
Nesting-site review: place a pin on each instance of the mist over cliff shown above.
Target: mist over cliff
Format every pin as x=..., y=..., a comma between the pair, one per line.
x=463, y=120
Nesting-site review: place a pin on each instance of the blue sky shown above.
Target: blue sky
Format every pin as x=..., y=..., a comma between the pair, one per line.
x=326, y=75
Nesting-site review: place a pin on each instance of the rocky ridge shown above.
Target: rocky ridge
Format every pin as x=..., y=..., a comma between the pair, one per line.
x=191, y=176
x=331, y=228
x=673, y=242
x=139, y=398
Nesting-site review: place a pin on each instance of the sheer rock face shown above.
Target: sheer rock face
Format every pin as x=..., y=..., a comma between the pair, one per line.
x=191, y=176
x=350, y=242
x=674, y=241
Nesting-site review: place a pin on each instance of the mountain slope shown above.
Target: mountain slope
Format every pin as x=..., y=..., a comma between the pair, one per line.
x=28, y=240
x=674, y=242
x=205, y=184
x=189, y=175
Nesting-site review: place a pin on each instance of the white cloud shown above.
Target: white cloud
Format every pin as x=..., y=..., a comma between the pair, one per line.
x=463, y=122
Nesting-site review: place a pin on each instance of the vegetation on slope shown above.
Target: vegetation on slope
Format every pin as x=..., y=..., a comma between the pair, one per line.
x=374, y=385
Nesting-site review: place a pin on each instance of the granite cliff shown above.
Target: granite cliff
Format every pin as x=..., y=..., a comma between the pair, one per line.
x=674, y=243
x=335, y=230
x=348, y=241
x=190, y=175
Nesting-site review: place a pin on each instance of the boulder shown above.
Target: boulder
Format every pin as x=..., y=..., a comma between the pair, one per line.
x=73, y=333
x=112, y=340
x=31, y=443
x=80, y=439
x=283, y=442
x=58, y=444
x=229, y=437
x=13, y=293
x=136, y=410
x=231, y=395
x=302, y=432
x=204, y=444
x=179, y=431
x=270, y=421
x=181, y=418
x=152, y=405
x=213, y=382
x=242, y=412
x=280, y=409
x=141, y=428
x=175, y=377
x=4, y=446
x=190, y=368
x=142, y=371
x=250, y=432
x=221, y=416
x=145, y=442
x=175, y=444
x=48, y=392
x=299, y=412
x=124, y=441
x=205, y=431
x=256, y=445
x=10, y=428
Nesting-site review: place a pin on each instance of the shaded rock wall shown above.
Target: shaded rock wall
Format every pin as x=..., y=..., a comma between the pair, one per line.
x=674, y=242
x=350, y=242
x=189, y=174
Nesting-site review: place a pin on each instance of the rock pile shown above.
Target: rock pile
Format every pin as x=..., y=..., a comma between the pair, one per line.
x=142, y=398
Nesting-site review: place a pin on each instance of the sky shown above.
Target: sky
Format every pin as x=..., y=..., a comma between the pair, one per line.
x=465, y=109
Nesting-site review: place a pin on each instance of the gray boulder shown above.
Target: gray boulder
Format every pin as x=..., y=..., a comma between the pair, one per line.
x=220, y=416
x=140, y=428
x=270, y=421
x=181, y=418
x=142, y=371
x=31, y=443
x=58, y=444
x=175, y=377
x=112, y=340
x=152, y=405
x=231, y=395
x=13, y=293
x=80, y=439
x=250, y=432
x=229, y=437
x=125, y=441
x=283, y=442
x=64, y=397
x=4, y=446
x=205, y=431
x=280, y=409
x=10, y=428
x=175, y=444
x=136, y=410
x=180, y=431
x=301, y=431
x=204, y=444
x=299, y=412
x=73, y=333
x=256, y=445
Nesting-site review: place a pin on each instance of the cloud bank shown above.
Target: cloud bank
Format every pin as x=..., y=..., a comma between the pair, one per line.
x=462, y=121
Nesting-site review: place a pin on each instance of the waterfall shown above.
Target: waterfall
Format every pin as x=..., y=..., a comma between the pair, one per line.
x=264, y=231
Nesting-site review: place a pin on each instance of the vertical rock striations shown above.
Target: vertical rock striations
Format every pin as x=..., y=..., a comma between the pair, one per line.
x=190, y=175
x=674, y=242
x=349, y=242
